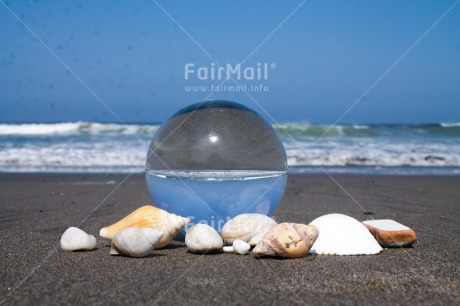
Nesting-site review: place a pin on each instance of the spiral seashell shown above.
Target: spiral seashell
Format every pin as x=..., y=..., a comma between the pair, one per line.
x=152, y=217
x=343, y=235
x=75, y=239
x=135, y=241
x=202, y=238
x=247, y=227
x=288, y=240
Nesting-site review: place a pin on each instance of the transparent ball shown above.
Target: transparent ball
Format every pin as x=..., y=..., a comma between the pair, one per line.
x=212, y=161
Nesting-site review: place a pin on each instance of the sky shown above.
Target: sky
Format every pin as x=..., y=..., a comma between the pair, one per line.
x=327, y=61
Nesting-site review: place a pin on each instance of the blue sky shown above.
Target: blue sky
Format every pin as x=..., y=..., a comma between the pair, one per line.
x=327, y=54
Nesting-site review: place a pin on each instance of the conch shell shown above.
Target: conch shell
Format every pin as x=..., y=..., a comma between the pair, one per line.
x=289, y=240
x=135, y=241
x=152, y=217
x=247, y=227
x=75, y=239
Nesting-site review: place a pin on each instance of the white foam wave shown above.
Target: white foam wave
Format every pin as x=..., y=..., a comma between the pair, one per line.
x=373, y=153
x=361, y=127
x=450, y=124
x=38, y=129
x=131, y=154
x=103, y=149
x=74, y=155
x=76, y=128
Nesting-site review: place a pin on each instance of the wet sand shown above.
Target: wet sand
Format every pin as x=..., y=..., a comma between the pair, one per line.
x=35, y=209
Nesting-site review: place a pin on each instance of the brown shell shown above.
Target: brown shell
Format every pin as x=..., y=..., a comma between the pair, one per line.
x=288, y=240
x=392, y=238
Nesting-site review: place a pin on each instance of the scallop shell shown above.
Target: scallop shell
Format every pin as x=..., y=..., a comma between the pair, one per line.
x=203, y=238
x=247, y=227
x=152, y=217
x=343, y=235
x=135, y=241
x=75, y=239
x=289, y=240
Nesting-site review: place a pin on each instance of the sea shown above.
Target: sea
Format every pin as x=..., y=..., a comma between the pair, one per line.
x=401, y=149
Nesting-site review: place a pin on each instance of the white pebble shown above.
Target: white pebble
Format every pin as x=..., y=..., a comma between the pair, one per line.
x=75, y=239
x=202, y=238
x=238, y=247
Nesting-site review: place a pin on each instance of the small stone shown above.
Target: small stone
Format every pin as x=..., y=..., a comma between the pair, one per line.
x=202, y=238
x=75, y=239
x=239, y=247
x=391, y=234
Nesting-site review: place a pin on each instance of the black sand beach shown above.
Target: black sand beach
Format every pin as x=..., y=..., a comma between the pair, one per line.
x=35, y=209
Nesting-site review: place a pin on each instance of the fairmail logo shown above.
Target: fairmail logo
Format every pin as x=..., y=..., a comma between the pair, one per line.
x=228, y=72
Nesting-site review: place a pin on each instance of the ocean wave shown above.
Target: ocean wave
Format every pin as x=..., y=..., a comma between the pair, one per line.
x=132, y=153
x=382, y=158
x=294, y=130
x=74, y=155
x=287, y=130
x=117, y=146
x=307, y=130
x=77, y=128
x=450, y=124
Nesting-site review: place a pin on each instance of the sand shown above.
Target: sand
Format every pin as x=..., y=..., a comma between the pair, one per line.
x=35, y=209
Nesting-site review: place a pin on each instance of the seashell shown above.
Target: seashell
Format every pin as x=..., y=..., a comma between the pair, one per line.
x=254, y=240
x=247, y=227
x=391, y=234
x=289, y=240
x=152, y=217
x=343, y=235
x=75, y=239
x=203, y=238
x=238, y=247
x=135, y=241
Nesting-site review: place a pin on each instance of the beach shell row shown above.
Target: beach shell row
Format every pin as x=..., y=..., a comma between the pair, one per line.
x=332, y=234
x=148, y=228
x=136, y=235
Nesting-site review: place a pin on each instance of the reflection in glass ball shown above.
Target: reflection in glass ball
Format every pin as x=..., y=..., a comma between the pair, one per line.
x=214, y=160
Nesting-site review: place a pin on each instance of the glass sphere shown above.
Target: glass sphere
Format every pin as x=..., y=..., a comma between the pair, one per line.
x=214, y=160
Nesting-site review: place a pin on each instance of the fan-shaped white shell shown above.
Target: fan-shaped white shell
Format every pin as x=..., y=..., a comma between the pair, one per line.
x=342, y=235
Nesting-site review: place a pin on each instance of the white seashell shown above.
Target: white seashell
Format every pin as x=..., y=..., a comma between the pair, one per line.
x=254, y=240
x=152, y=217
x=247, y=227
x=202, y=238
x=343, y=235
x=135, y=241
x=238, y=247
x=75, y=239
